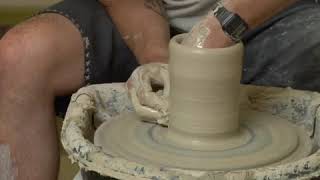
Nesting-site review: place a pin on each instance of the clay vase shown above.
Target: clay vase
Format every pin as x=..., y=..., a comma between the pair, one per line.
x=204, y=94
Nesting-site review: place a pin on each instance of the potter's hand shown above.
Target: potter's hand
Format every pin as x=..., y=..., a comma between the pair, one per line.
x=148, y=89
x=207, y=34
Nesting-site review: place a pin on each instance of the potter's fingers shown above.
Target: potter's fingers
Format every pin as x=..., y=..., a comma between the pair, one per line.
x=135, y=78
x=166, y=83
x=159, y=81
x=163, y=121
x=155, y=73
x=199, y=34
x=129, y=84
x=145, y=82
x=154, y=101
x=142, y=110
x=139, y=80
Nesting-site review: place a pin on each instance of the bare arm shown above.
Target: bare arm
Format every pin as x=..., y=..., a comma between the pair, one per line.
x=254, y=12
x=144, y=27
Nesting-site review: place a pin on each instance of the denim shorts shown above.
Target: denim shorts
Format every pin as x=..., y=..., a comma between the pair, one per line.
x=284, y=51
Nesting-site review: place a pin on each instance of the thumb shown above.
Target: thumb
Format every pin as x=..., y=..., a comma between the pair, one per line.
x=140, y=109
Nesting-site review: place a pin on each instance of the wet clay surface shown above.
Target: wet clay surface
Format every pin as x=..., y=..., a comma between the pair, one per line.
x=263, y=138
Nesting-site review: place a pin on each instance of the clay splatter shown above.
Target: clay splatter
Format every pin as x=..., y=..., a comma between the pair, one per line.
x=6, y=164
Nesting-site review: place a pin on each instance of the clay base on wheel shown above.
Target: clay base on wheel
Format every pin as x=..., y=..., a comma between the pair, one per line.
x=262, y=140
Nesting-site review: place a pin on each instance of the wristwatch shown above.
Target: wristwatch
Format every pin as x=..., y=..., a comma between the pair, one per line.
x=232, y=24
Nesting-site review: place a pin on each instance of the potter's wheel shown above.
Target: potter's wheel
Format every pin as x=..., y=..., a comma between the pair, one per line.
x=207, y=131
x=209, y=134
x=262, y=140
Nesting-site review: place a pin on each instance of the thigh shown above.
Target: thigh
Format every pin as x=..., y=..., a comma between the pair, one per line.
x=286, y=52
x=106, y=56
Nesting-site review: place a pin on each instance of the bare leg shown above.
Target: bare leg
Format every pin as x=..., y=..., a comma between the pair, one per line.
x=39, y=59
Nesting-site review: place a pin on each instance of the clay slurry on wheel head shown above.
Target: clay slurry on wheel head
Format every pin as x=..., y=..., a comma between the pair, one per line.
x=271, y=142
x=206, y=130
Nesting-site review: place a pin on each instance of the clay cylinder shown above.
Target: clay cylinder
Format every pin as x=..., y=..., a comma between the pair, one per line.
x=204, y=90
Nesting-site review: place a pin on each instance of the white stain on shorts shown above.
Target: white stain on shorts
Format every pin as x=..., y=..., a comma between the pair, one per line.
x=7, y=171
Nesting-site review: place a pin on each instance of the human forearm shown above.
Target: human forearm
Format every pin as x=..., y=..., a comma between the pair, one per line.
x=253, y=12
x=144, y=27
x=256, y=12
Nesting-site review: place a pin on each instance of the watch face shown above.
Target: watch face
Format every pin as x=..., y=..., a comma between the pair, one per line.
x=234, y=26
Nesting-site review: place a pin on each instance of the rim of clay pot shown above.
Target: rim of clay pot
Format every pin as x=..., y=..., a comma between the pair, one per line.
x=176, y=42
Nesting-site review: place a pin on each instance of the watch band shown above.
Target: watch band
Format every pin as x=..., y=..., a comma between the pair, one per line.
x=232, y=24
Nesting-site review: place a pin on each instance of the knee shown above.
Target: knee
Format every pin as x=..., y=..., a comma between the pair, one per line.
x=9, y=55
x=24, y=53
x=9, y=59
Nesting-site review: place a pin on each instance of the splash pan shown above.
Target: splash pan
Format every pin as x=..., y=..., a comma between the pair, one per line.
x=299, y=109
